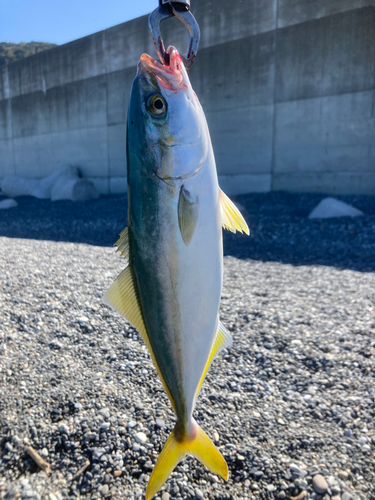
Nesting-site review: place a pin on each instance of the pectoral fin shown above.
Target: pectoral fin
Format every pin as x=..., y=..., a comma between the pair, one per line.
x=122, y=244
x=123, y=296
x=188, y=207
x=223, y=340
x=231, y=217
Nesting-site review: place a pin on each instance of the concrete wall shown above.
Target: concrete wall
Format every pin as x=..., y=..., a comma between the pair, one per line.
x=288, y=87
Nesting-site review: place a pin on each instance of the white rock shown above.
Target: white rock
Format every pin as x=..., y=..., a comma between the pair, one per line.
x=74, y=189
x=330, y=207
x=8, y=203
x=19, y=186
x=63, y=184
x=141, y=437
x=40, y=188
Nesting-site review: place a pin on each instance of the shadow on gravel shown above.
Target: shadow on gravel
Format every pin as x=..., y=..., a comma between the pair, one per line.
x=280, y=228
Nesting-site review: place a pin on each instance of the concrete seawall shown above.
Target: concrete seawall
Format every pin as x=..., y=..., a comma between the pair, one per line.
x=288, y=88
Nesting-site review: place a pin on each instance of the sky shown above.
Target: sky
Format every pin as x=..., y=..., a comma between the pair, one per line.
x=60, y=21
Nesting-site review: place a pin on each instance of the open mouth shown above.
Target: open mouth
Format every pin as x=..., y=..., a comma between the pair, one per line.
x=170, y=77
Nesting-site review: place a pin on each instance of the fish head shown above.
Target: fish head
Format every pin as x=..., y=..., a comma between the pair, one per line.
x=167, y=128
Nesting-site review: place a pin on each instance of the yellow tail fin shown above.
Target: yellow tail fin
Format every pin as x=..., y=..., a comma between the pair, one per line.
x=199, y=445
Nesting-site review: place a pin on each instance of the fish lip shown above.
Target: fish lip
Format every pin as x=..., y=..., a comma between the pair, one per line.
x=170, y=77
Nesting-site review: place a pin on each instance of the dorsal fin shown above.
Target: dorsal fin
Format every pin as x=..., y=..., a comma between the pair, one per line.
x=231, y=217
x=223, y=340
x=122, y=244
x=123, y=296
x=188, y=207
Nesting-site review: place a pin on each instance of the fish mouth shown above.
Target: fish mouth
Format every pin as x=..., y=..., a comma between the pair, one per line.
x=170, y=77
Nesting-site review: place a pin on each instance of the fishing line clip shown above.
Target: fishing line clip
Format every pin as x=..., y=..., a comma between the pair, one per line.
x=181, y=10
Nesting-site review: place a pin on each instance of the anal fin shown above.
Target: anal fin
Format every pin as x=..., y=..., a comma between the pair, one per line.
x=231, y=217
x=123, y=296
x=223, y=340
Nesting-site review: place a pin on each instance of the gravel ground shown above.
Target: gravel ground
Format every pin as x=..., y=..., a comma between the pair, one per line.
x=291, y=405
x=280, y=229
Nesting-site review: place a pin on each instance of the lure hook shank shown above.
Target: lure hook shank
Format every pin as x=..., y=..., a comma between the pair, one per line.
x=181, y=10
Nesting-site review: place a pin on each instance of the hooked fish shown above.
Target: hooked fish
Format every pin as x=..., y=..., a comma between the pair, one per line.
x=170, y=290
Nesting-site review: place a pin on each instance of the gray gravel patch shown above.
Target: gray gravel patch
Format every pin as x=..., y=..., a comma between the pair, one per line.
x=292, y=399
x=280, y=228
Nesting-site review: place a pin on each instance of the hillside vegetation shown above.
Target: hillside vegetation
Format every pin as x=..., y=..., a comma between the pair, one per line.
x=10, y=52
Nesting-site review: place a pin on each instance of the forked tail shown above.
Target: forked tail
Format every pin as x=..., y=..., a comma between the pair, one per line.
x=198, y=444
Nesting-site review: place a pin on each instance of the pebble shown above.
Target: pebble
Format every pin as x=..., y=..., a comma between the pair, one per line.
x=141, y=437
x=319, y=484
x=362, y=441
x=105, y=412
x=296, y=471
x=64, y=429
x=98, y=453
x=346, y=496
x=342, y=474
x=199, y=494
x=160, y=423
x=165, y=496
x=258, y=475
x=104, y=490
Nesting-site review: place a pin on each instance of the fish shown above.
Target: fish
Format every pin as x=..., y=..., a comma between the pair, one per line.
x=171, y=286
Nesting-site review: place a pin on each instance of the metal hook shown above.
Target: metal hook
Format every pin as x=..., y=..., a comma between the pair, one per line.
x=180, y=9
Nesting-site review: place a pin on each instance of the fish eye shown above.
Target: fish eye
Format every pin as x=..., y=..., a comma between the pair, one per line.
x=157, y=106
